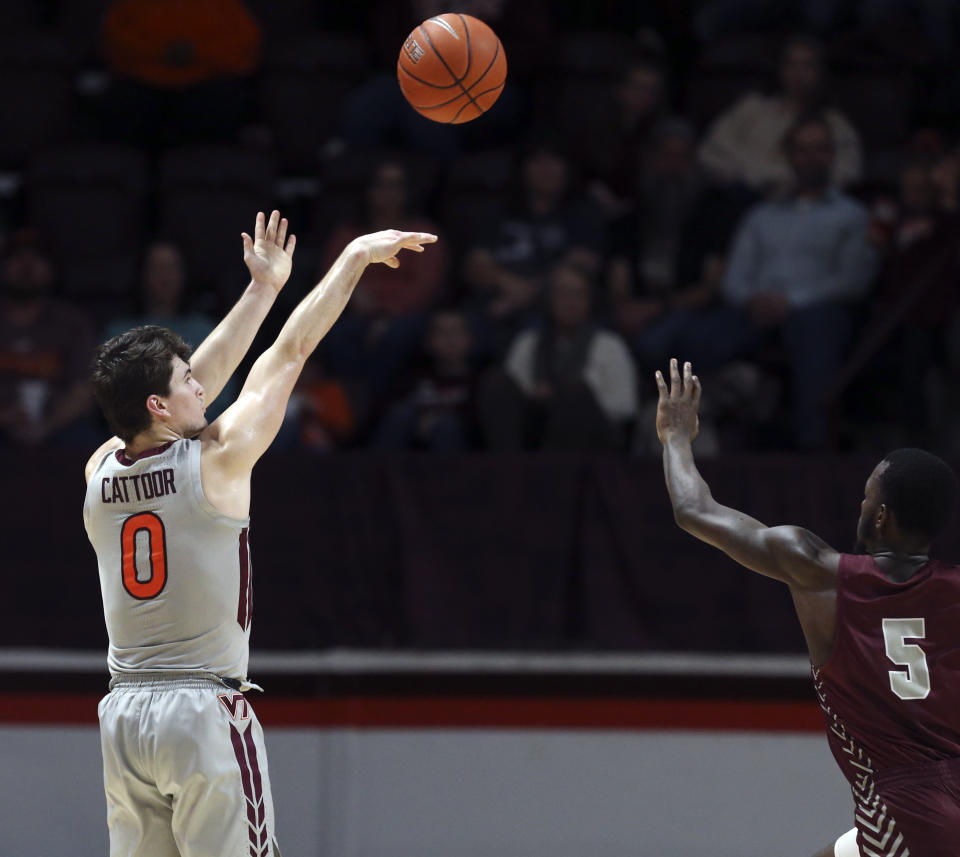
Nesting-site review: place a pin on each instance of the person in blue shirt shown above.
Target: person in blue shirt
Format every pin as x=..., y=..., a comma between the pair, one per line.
x=797, y=264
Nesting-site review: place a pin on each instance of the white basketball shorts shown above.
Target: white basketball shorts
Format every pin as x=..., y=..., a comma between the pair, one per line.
x=846, y=845
x=184, y=769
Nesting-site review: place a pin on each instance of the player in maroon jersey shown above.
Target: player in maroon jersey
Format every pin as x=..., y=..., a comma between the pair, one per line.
x=882, y=627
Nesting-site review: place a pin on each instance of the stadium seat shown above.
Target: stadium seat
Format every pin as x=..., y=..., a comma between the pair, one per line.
x=90, y=203
x=302, y=91
x=38, y=107
x=208, y=195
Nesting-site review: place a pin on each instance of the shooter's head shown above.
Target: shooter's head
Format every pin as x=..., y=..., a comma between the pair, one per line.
x=141, y=377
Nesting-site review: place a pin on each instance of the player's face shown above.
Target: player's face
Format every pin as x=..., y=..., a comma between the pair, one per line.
x=867, y=535
x=185, y=401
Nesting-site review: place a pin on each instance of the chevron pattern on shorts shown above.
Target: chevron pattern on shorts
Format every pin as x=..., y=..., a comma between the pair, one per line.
x=879, y=836
x=246, y=753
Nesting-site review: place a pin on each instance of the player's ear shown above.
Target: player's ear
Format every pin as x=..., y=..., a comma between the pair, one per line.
x=883, y=517
x=156, y=407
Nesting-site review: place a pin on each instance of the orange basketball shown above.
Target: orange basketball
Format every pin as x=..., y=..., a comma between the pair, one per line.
x=452, y=68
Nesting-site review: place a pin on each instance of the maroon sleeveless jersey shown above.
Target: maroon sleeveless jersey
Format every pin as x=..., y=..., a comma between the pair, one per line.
x=890, y=694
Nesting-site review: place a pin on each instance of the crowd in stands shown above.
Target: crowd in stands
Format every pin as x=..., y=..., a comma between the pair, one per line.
x=767, y=189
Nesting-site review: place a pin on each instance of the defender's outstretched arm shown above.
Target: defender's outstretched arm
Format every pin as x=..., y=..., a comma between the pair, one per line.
x=790, y=554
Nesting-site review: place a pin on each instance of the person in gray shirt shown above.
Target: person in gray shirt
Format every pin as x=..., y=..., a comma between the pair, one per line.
x=796, y=265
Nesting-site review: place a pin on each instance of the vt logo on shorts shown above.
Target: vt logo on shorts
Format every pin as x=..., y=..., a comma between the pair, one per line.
x=246, y=752
x=237, y=707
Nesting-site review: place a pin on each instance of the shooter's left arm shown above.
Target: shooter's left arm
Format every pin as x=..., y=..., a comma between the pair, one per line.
x=269, y=258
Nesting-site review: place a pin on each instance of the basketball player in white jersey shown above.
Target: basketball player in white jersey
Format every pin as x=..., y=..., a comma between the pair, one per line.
x=167, y=512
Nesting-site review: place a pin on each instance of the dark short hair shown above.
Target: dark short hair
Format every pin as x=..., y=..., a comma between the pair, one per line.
x=921, y=491
x=129, y=368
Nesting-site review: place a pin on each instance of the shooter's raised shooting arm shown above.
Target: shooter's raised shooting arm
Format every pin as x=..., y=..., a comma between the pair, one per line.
x=269, y=258
x=246, y=428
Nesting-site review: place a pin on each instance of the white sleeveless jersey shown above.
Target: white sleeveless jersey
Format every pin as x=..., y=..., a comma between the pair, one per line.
x=174, y=572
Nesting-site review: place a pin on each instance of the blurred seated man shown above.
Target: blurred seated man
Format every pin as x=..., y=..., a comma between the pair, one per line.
x=507, y=269
x=161, y=299
x=917, y=293
x=379, y=333
x=436, y=410
x=622, y=133
x=321, y=415
x=667, y=254
x=179, y=68
x=743, y=145
x=796, y=265
x=568, y=384
x=45, y=350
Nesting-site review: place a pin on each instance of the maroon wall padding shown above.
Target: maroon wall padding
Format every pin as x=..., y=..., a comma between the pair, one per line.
x=496, y=552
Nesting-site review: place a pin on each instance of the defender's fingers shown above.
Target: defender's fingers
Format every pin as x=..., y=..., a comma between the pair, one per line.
x=247, y=242
x=291, y=245
x=687, y=377
x=271, y=234
x=661, y=385
x=259, y=226
x=675, y=388
x=282, y=232
x=697, y=389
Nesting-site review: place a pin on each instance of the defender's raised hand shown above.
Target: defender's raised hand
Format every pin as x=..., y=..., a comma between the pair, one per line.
x=269, y=254
x=678, y=406
x=384, y=246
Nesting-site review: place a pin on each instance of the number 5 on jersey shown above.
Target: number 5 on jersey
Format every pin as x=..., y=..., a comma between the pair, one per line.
x=915, y=682
x=143, y=542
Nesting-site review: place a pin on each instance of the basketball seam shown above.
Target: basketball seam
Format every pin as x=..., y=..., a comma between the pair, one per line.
x=409, y=73
x=479, y=94
x=496, y=53
x=457, y=98
x=457, y=80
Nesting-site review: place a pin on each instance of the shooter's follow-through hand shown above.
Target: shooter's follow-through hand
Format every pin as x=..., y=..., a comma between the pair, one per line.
x=384, y=246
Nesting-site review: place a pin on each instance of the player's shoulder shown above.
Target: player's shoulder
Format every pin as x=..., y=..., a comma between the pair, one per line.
x=811, y=558
x=104, y=449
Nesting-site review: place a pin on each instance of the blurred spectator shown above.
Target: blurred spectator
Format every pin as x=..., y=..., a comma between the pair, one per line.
x=796, y=264
x=161, y=298
x=744, y=144
x=547, y=224
x=916, y=293
x=436, y=412
x=568, y=384
x=623, y=134
x=386, y=317
x=320, y=416
x=667, y=256
x=179, y=68
x=45, y=351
